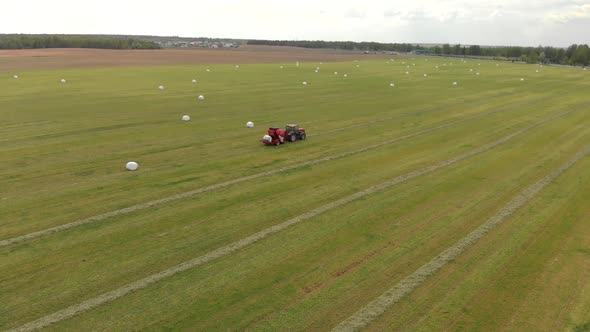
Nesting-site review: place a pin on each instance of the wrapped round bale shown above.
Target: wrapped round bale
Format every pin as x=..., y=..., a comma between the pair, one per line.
x=250, y=124
x=131, y=166
x=186, y=118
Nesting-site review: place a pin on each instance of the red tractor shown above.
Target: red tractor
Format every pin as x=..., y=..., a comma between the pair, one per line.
x=276, y=136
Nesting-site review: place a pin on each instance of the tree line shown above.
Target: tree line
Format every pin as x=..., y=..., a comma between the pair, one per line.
x=52, y=41
x=573, y=55
x=343, y=45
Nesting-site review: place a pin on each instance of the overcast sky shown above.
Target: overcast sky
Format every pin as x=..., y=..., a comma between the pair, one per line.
x=498, y=22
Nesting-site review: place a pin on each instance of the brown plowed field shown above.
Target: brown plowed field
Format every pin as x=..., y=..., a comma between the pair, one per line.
x=59, y=58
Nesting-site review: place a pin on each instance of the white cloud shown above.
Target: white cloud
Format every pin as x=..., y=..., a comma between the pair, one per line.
x=524, y=22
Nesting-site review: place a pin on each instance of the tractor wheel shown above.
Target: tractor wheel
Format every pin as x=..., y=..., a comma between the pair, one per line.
x=302, y=137
x=292, y=138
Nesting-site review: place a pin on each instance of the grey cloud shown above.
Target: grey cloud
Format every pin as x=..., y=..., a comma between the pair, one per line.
x=391, y=13
x=355, y=13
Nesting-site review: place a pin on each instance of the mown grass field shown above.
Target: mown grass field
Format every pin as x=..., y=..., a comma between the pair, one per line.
x=63, y=148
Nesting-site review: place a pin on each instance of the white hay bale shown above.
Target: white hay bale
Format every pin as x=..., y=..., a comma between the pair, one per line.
x=237, y=66
x=131, y=166
x=425, y=75
x=62, y=80
x=267, y=138
x=201, y=97
x=250, y=124
x=317, y=68
x=358, y=66
x=15, y=76
x=477, y=74
x=345, y=75
x=161, y=87
x=186, y=118
x=536, y=71
x=282, y=67
x=335, y=73
x=455, y=83
x=471, y=69
x=392, y=85
x=521, y=79
x=207, y=70
x=304, y=83
x=407, y=73
x=194, y=81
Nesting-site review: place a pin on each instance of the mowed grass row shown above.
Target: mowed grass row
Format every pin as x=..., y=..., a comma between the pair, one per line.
x=129, y=247
x=154, y=239
x=78, y=173
x=474, y=118
x=529, y=274
x=315, y=274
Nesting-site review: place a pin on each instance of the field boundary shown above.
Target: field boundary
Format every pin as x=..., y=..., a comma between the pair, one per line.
x=385, y=301
x=237, y=245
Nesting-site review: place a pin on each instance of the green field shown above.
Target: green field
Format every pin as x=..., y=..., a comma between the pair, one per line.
x=388, y=179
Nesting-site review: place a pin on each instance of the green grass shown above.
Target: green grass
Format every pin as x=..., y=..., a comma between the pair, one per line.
x=63, y=148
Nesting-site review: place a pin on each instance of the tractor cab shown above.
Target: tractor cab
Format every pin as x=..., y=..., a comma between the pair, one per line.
x=292, y=128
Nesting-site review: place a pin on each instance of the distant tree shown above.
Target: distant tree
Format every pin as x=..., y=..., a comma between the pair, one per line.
x=532, y=57
x=446, y=49
x=474, y=50
x=569, y=52
x=581, y=55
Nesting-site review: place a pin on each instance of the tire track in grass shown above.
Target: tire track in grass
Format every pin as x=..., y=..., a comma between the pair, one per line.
x=158, y=202
x=143, y=206
x=392, y=296
x=237, y=245
x=399, y=116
